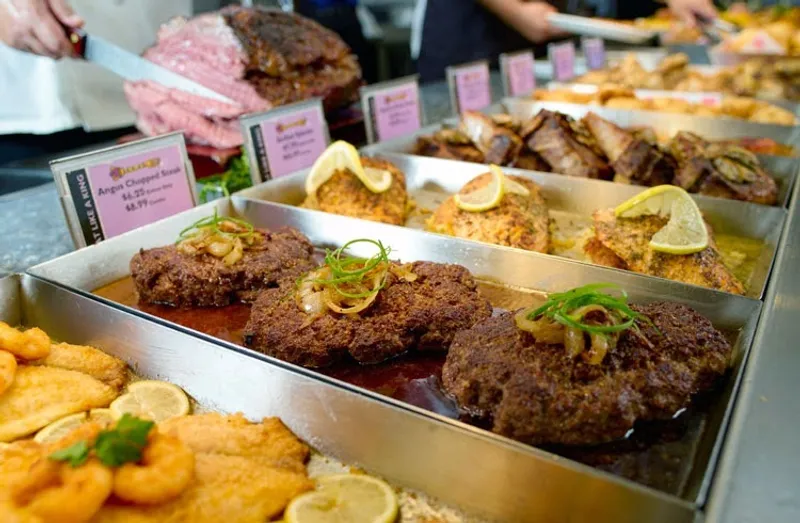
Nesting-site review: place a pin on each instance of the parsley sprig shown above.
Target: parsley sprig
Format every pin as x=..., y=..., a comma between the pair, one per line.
x=113, y=447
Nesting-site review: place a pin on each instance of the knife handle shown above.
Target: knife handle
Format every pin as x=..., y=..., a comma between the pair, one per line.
x=77, y=37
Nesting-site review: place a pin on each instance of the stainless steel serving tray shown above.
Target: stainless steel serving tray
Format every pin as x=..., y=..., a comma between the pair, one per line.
x=783, y=169
x=537, y=486
x=431, y=180
x=413, y=451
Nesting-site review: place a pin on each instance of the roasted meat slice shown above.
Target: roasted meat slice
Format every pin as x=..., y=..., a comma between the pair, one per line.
x=499, y=144
x=449, y=144
x=534, y=391
x=420, y=307
x=531, y=161
x=633, y=159
x=180, y=278
x=565, y=146
x=519, y=221
x=720, y=169
x=628, y=240
x=345, y=194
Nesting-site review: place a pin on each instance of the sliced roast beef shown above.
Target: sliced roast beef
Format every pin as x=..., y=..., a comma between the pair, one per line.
x=259, y=58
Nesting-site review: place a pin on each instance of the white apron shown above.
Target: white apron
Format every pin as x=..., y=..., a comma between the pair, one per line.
x=41, y=96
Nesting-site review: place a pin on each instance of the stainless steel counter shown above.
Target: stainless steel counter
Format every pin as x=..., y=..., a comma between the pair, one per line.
x=759, y=474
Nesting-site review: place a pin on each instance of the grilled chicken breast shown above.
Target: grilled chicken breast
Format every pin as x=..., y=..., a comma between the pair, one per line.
x=519, y=221
x=627, y=240
x=345, y=194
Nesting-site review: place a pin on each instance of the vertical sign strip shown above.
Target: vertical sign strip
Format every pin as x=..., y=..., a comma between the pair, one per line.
x=594, y=52
x=85, y=206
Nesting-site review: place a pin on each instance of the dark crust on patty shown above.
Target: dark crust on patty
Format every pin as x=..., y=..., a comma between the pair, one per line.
x=166, y=276
x=421, y=315
x=536, y=394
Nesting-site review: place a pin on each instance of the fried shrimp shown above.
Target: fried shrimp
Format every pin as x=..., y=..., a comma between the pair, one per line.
x=166, y=469
x=59, y=492
x=8, y=369
x=31, y=344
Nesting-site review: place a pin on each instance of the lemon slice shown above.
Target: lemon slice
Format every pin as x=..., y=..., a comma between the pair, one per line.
x=60, y=428
x=153, y=400
x=345, y=497
x=343, y=156
x=684, y=233
x=490, y=195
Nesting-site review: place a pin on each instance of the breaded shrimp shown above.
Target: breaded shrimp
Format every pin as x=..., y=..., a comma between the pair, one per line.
x=58, y=492
x=166, y=470
x=8, y=369
x=32, y=344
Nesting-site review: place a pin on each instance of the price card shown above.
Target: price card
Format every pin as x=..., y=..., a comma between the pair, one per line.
x=392, y=109
x=470, y=86
x=108, y=192
x=284, y=140
x=562, y=59
x=761, y=42
x=518, y=71
x=594, y=52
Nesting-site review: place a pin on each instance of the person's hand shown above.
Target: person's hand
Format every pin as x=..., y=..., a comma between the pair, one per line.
x=533, y=22
x=688, y=10
x=37, y=26
x=528, y=18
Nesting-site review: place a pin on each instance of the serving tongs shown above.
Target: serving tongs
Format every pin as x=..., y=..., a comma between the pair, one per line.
x=717, y=30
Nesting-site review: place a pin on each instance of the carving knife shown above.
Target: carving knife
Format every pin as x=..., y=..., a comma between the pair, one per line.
x=133, y=67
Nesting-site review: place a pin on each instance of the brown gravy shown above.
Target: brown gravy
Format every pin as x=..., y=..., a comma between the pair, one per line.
x=658, y=454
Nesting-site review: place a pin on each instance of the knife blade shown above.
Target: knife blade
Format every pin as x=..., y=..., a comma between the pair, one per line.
x=133, y=67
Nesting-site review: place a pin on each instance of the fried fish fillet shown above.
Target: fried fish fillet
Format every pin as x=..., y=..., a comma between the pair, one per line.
x=244, y=472
x=519, y=221
x=236, y=436
x=346, y=195
x=88, y=360
x=41, y=395
x=627, y=240
x=231, y=489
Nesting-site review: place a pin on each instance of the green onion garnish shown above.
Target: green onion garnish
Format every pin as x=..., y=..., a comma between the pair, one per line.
x=351, y=270
x=213, y=224
x=559, y=307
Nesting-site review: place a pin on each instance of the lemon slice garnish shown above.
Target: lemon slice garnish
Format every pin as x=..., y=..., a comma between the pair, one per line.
x=341, y=156
x=60, y=428
x=490, y=195
x=153, y=400
x=345, y=497
x=684, y=233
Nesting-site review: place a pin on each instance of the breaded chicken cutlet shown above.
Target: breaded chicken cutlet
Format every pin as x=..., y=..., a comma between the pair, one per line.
x=534, y=390
x=218, y=263
x=623, y=243
x=420, y=306
x=519, y=221
x=346, y=195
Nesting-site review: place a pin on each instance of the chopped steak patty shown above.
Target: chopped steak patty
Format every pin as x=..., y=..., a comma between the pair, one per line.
x=535, y=393
x=424, y=315
x=167, y=276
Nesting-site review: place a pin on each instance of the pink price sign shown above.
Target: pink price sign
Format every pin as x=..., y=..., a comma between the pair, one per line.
x=594, y=51
x=472, y=87
x=562, y=59
x=293, y=140
x=120, y=195
x=395, y=111
x=520, y=73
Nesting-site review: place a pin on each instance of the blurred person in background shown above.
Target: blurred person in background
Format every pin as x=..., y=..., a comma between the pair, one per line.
x=451, y=32
x=341, y=17
x=46, y=97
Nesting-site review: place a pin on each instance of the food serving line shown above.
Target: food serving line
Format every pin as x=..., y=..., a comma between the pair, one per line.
x=459, y=464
